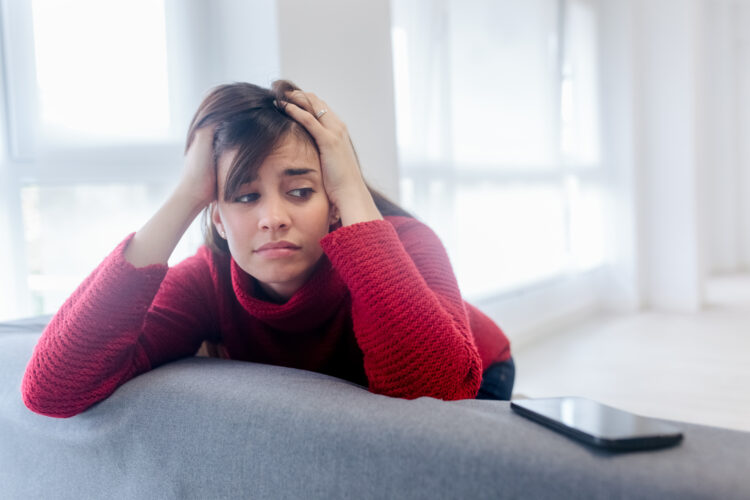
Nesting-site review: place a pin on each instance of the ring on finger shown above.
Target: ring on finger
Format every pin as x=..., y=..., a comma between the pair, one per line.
x=320, y=113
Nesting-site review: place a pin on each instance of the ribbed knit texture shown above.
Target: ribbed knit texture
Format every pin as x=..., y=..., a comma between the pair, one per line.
x=381, y=309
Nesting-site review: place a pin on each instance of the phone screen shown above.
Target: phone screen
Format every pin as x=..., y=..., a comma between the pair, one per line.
x=597, y=423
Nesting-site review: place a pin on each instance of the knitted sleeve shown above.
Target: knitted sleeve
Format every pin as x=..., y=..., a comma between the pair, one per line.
x=408, y=315
x=120, y=322
x=491, y=342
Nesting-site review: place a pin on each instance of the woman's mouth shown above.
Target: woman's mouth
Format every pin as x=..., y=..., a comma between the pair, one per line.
x=274, y=253
x=276, y=249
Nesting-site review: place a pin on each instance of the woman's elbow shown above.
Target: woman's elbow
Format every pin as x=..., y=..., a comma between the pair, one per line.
x=467, y=387
x=452, y=385
x=467, y=377
x=36, y=401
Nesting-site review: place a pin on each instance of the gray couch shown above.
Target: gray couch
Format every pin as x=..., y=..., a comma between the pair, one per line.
x=209, y=428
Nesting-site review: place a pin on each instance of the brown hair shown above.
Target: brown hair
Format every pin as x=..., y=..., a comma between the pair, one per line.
x=251, y=120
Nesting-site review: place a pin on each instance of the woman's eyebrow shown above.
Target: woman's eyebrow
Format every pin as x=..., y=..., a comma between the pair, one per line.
x=298, y=171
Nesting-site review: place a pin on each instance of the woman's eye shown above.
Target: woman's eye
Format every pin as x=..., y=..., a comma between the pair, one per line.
x=302, y=192
x=247, y=198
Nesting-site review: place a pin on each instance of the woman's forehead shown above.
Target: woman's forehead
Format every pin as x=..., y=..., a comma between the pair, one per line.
x=295, y=153
x=293, y=157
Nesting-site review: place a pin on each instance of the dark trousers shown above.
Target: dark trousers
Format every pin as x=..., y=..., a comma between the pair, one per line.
x=497, y=381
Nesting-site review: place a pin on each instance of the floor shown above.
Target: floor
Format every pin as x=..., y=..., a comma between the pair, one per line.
x=686, y=367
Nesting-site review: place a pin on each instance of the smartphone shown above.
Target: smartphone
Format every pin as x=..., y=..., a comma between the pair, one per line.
x=597, y=424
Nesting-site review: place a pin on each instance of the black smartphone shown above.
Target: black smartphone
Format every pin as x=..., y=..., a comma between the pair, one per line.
x=598, y=424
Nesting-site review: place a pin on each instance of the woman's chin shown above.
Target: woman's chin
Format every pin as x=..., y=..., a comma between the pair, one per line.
x=281, y=279
x=281, y=273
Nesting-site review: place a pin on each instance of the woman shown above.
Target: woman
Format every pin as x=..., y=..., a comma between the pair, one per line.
x=304, y=266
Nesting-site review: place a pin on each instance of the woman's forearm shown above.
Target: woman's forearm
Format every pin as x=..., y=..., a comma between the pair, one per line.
x=357, y=205
x=157, y=239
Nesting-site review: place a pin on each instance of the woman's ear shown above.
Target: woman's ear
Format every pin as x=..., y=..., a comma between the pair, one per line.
x=334, y=215
x=216, y=219
x=334, y=218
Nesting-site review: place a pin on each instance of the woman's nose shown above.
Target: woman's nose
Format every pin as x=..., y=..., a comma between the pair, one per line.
x=273, y=215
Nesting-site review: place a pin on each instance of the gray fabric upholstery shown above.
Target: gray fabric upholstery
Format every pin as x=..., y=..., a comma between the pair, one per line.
x=209, y=428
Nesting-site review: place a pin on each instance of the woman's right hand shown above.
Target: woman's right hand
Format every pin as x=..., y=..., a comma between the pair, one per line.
x=199, y=173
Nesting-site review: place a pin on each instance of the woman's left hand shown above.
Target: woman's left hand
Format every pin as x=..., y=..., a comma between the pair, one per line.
x=342, y=177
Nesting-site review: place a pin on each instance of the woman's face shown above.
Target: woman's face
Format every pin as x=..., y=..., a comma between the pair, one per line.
x=286, y=202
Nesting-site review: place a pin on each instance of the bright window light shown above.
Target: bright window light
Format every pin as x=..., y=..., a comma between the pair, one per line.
x=499, y=136
x=508, y=235
x=57, y=262
x=101, y=70
x=502, y=82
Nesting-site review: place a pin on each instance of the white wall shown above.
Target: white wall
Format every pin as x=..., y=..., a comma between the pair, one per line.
x=341, y=51
x=722, y=135
x=621, y=285
x=726, y=128
x=742, y=30
x=668, y=38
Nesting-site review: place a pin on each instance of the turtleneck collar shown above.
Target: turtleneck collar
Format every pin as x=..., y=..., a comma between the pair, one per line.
x=309, y=307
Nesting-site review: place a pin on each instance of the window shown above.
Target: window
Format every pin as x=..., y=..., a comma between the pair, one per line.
x=69, y=228
x=115, y=89
x=94, y=140
x=497, y=119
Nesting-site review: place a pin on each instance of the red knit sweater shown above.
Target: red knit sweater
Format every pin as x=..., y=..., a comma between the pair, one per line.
x=382, y=309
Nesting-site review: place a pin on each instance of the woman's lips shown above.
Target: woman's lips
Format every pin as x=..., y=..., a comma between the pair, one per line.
x=277, y=244
x=274, y=253
x=277, y=249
